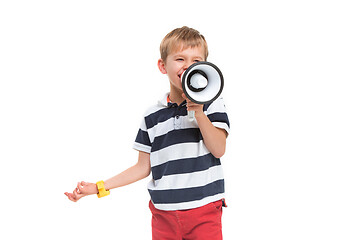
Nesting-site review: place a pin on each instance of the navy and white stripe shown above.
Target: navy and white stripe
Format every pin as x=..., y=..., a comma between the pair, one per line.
x=185, y=174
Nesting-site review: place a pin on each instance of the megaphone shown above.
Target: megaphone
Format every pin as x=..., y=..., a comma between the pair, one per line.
x=202, y=83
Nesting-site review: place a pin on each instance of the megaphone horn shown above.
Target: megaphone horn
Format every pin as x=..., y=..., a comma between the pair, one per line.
x=202, y=83
x=197, y=80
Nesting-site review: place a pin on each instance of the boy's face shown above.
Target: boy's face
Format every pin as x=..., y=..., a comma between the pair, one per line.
x=177, y=62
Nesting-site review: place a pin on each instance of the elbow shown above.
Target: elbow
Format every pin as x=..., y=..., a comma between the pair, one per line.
x=143, y=170
x=218, y=153
x=146, y=172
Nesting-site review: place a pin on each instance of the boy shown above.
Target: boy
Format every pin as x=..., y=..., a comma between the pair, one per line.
x=187, y=186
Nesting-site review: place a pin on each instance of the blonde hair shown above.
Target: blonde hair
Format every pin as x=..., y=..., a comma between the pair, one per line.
x=182, y=38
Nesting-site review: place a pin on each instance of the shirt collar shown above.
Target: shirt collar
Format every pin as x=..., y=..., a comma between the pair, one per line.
x=165, y=101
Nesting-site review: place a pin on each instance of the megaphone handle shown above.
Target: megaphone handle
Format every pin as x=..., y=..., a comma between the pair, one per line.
x=191, y=115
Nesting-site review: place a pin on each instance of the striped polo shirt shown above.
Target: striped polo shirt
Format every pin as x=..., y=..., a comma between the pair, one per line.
x=185, y=174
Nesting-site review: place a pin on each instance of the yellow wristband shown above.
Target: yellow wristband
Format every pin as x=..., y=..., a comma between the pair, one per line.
x=101, y=188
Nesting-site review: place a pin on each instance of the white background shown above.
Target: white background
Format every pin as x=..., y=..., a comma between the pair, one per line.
x=76, y=77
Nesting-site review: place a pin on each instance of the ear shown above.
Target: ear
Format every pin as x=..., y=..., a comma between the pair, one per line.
x=161, y=66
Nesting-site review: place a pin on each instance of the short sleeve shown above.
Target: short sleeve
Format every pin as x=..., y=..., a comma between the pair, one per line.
x=216, y=112
x=142, y=142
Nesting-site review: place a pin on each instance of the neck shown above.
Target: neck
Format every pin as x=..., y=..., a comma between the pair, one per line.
x=176, y=95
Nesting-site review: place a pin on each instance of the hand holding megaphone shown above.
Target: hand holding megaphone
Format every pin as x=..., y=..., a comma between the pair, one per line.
x=202, y=83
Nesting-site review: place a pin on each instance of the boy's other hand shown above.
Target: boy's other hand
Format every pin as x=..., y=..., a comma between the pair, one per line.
x=83, y=189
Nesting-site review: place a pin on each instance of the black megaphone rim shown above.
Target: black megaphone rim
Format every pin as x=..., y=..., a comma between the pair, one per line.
x=187, y=71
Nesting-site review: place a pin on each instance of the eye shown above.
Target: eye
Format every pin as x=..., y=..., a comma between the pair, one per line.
x=179, y=59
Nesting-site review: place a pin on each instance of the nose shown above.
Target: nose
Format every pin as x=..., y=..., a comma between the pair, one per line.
x=185, y=67
x=187, y=64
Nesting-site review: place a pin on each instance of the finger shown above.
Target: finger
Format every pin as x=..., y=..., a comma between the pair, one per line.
x=184, y=96
x=191, y=104
x=79, y=187
x=77, y=195
x=76, y=192
x=70, y=196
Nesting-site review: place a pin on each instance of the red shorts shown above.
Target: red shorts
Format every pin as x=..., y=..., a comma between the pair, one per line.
x=198, y=223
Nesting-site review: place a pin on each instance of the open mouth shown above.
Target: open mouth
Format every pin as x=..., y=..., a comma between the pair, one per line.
x=181, y=74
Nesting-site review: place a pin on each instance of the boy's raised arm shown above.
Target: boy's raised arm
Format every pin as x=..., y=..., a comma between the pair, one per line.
x=214, y=138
